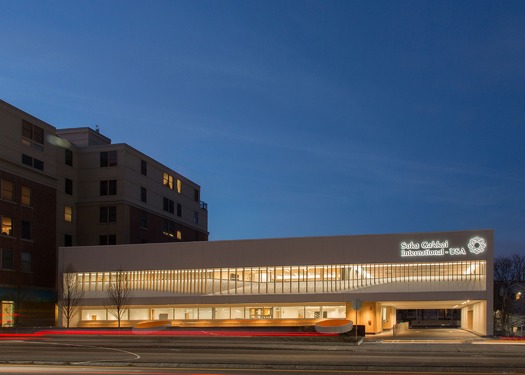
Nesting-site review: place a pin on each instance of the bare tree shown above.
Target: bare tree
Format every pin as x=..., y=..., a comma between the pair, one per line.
x=70, y=294
x=509, y=273
x=119, y=294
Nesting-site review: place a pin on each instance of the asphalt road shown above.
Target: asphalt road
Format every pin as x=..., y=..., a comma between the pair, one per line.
x=254, y=355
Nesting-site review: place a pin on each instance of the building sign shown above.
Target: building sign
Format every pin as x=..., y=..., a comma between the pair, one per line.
x=436, y=248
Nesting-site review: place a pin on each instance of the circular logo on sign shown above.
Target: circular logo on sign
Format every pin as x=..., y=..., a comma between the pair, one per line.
x=477, y=245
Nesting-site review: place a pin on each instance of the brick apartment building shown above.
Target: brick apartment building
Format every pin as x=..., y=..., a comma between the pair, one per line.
x=73, y=187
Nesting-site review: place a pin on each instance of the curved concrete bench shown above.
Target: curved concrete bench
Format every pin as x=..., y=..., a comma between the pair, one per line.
x=334, y=326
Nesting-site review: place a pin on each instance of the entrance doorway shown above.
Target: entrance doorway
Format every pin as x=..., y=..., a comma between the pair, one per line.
x=430, y=318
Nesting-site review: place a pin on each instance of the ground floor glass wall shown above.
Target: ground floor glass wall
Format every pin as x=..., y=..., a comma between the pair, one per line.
x=219, y=312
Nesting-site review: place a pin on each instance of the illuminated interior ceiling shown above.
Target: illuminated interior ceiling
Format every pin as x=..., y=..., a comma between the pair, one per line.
x=413, y=305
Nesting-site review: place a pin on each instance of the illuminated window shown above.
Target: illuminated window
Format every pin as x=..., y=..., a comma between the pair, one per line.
x=68, y=214
x=518, y=296
x=6, y=191
x=179, y=186
x=25, y=227
x=7, y=259
x=108, y=158
x=167, y=180
x=26, y=196
x=179, y=235
x=6, y=313
x=7, y=226
x=168, y=228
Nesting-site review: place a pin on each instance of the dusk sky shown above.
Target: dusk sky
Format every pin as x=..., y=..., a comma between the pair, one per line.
x=297, y=118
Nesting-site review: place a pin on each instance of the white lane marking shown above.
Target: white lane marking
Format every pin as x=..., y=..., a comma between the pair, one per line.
x=93, y=347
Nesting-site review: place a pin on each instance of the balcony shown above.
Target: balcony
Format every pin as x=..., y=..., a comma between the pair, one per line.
x=204, y=206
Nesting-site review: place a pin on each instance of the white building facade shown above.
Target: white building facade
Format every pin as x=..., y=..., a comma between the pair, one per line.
x=290, y=281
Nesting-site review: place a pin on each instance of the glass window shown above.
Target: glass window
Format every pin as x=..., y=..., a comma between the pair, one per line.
x=167, y=180
x=143, y=167
x=33, y=132
x=108, y=158
x=7, y=260
x=68, y=157
x=68, y=214
x=68, y=240
x=108, y=214
x=196, y=195
x=68, y=186
x=6, y=191
x=179, y=210
x=38, y=164
x=25, y=261
x=108, y=187
x=108, y=239
x=27, y=160
x=26, y=230
x=168, y=228
x=143, y=194
x=179, y=186
x=143, y=219
x=195, y=217
x=169, y=205
x=26, y=195
x=7, y=226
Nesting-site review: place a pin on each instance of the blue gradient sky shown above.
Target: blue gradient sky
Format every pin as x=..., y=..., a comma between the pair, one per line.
x=297, y=118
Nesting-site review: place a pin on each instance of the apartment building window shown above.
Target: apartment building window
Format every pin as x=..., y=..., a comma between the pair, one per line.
x=143, y=167
x=7, y=261
x=68, y=157
x=167, y=180
x=196, y=195
x=143, y=219
x=68, y=240
x=32, y=135
x=32, y=162
x=195, y=217
x=25, y=197
x=108, y=158
x=26, y=230
x=168, y=228
x=179, y=235
x=179, y=186
x=169, y=205
x=25, y=261
x=108, y=239
x=108, y=214
x=143, y=194
x=7, y=226
x=6, y=190
x=179, y=210
x=108, y=187
x=68, y=214
x=68, y=186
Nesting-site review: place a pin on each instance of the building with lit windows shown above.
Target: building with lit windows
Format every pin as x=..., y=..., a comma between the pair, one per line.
x=291, y=281
x=73, y=187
